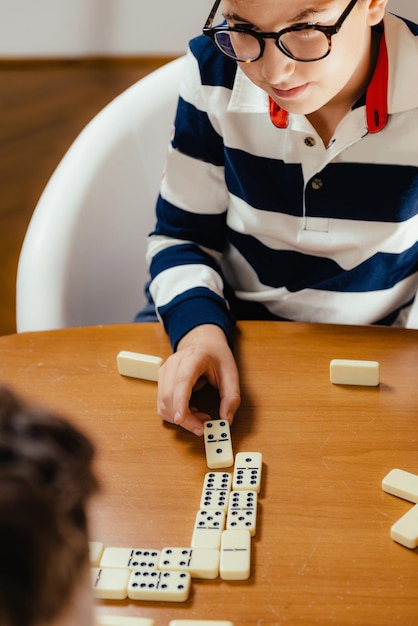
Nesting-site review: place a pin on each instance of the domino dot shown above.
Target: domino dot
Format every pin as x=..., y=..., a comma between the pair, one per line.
x=143, y=584
x=182, y=563
x=141, y=563
x=218, y=445
x=247, y=471
x=208, y=497
x=225, y=477
x=154, y=575
x=221, y=423
x=222, y=436
x=253, y=475
x=241, y=518
x=216, y=489
x=197, y=562
x=208, y=526
x=131, y=558
x=242, y=511
x=209, y=515
x=159, y=585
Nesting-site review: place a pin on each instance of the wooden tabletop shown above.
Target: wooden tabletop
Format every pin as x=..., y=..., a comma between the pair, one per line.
x=322, y=553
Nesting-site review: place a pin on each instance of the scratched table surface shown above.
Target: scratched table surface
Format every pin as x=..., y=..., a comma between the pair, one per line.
x=322, y=553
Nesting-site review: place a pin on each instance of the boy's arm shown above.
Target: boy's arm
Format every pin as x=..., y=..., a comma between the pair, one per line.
x=185, y=250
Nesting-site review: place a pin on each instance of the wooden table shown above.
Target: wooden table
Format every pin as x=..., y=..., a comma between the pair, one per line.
x=322, y=554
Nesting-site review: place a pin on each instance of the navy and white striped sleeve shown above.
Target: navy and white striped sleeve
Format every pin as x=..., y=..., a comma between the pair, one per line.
x=185, y=249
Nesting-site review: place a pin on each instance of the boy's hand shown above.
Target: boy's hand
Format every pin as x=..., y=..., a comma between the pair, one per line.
x=202, y=354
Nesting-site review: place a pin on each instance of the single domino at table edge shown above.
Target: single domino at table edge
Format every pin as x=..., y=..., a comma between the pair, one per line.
x=401, y=484
x=405, y=530
x=354, y=372
x=137, y=365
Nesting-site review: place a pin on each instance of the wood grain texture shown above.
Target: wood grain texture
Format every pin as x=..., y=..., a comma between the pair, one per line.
x=322, y=554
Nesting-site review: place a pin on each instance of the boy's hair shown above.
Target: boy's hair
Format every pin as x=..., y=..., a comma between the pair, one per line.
x=46, y=479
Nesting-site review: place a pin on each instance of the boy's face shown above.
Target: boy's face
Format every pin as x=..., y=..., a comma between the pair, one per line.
x=302, y=87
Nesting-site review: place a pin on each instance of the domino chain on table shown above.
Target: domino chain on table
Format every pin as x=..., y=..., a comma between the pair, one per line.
x=220, y=543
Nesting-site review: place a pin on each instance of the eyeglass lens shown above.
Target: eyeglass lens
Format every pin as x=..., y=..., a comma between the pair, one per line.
x=304, y=45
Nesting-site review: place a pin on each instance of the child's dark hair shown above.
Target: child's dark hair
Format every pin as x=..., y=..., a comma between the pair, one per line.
x=46, y=479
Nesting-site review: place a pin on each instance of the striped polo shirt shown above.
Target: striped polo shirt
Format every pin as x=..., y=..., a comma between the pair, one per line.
x=257, y=219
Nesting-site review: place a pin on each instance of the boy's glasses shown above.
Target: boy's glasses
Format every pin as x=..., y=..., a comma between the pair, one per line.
x=302, y=42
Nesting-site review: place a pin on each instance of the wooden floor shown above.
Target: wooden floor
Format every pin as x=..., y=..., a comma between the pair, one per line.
x=43, y=107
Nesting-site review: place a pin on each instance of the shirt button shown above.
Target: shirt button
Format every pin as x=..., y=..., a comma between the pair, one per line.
x=310, y=141
x=317, y=183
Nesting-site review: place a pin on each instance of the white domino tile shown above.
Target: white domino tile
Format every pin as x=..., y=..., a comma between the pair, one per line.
x=123, y=620
x=242, y=511
x=157, y=585
x=247, y=471
x=208, y=527
x=198, y=562
x=405, y=530
x=235, y=560
x=137, y=365
x=95, y=552
x=218, y=444
x=215, y=492
x=110, y=583
x=401, y=484
x=354, y=372
x=131, y=558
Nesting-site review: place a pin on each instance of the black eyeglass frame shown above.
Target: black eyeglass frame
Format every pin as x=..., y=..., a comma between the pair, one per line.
x=211, y=31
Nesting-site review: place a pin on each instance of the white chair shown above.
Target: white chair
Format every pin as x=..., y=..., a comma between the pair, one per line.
x=82, y=261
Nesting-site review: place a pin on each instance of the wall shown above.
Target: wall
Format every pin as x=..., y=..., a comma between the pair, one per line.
x=407, y=8
x=72, y=28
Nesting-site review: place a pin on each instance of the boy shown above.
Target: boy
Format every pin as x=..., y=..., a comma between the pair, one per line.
x=46, y=480
x=291, y=185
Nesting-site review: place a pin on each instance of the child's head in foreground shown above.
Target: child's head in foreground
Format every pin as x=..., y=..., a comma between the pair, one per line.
x=46, y=480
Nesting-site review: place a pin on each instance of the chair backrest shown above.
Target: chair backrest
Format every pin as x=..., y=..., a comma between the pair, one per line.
x=82, y=260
